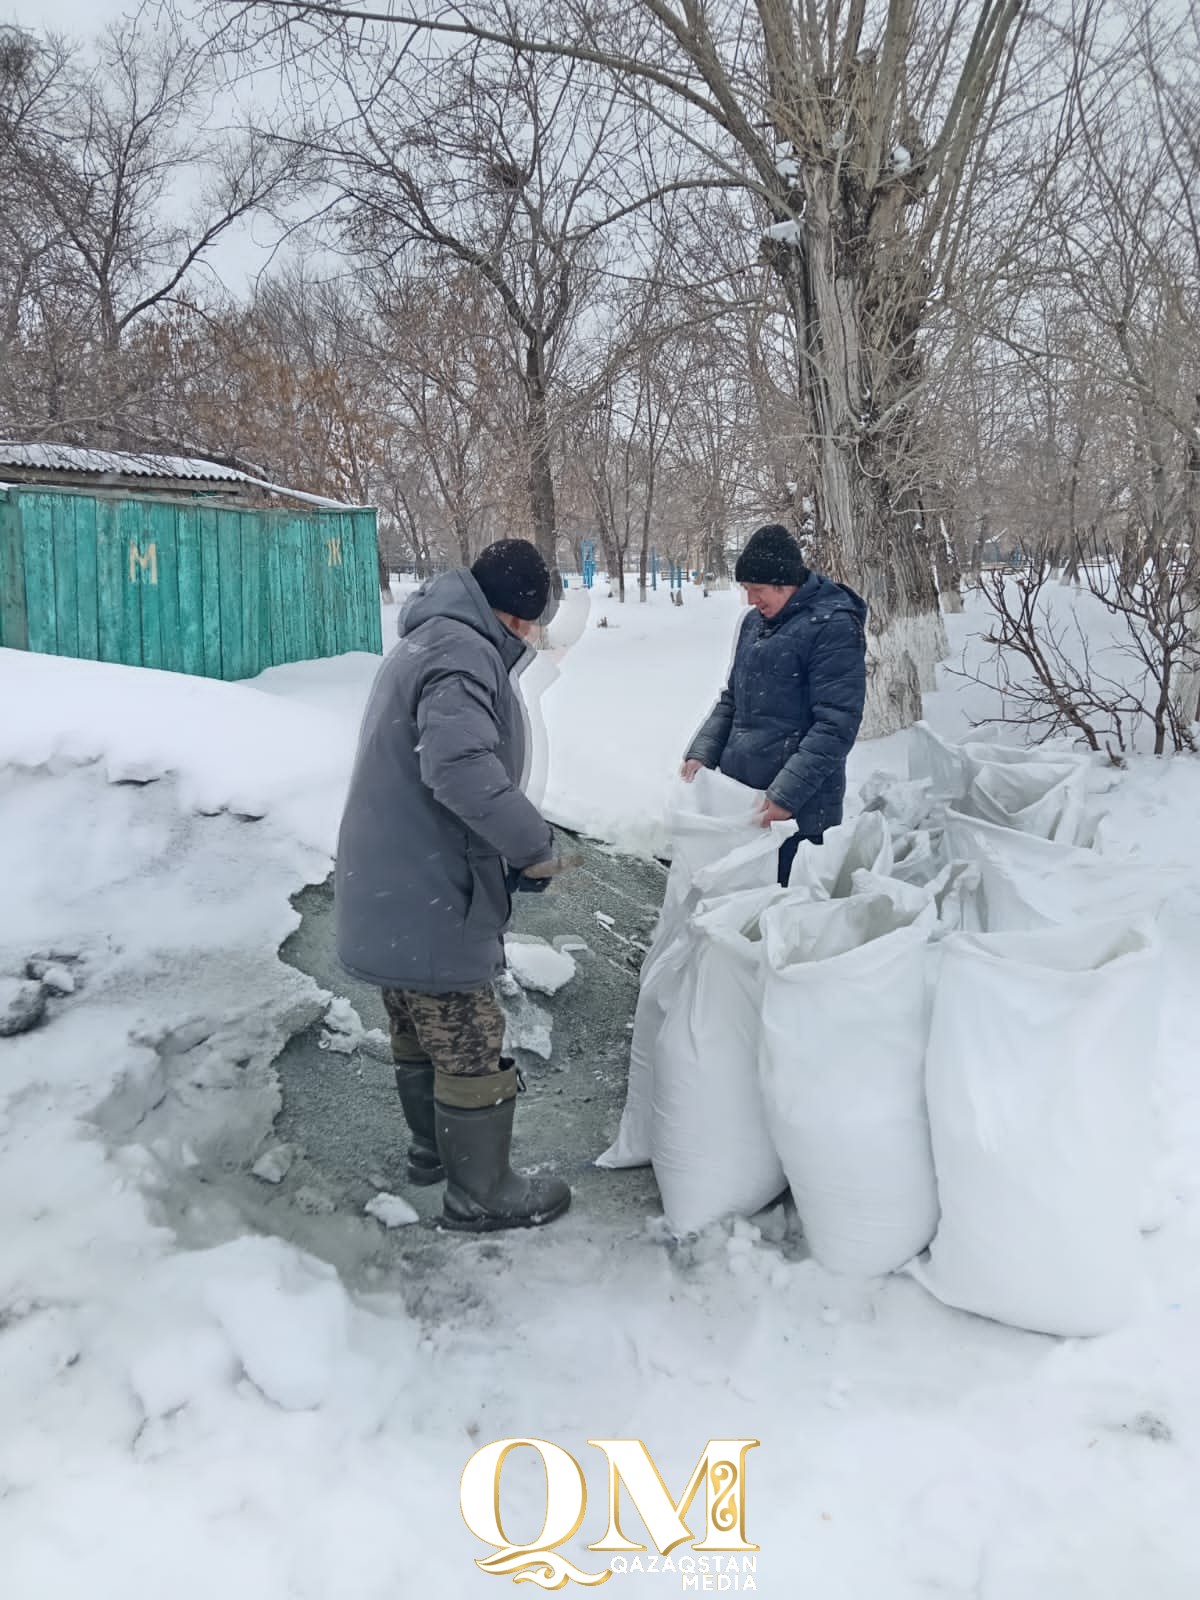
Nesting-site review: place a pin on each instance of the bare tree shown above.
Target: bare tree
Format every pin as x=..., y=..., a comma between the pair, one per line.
x=496, y=167
x=858, y=129
x=453, y=397
x=94, y=151
x=1055, y=677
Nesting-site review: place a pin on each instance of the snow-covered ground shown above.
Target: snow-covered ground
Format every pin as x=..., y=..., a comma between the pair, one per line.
x=186, y=1410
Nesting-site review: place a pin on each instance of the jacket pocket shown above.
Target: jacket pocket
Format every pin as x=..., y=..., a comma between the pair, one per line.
x=491, y=904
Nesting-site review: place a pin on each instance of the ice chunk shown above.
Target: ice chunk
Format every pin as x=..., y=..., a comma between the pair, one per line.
x=539, y=966
x=344, y=1032
x=22, y=1006
x=59, y=980
x=274, y=1164
x=391, y=1210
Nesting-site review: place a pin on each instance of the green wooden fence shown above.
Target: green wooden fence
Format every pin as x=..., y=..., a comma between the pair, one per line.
x=184, y=585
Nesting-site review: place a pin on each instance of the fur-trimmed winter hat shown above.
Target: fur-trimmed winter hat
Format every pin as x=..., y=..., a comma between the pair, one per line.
x=514, y=579
x=771, y=556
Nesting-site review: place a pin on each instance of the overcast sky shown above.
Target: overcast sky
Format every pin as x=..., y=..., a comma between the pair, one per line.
x=63, y=16
x=245, y=251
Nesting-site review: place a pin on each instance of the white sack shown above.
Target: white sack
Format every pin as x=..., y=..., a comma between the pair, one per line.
x=712, y=1153
x=910, y=899
x=753, y=865
x=631, y=1147
x=1050, y=750
x=906, y=805
x=706, y=819
x=827, y=869
x=918, y=857
x=943, y=767
x=958, y=894
x=845, y=1019
x=1041, y=1057
x=1030, y=882
x=955, y=895
x=1044, y=798
x=948, y=768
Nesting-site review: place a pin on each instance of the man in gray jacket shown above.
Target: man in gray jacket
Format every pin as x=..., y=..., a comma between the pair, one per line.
x=436, y=831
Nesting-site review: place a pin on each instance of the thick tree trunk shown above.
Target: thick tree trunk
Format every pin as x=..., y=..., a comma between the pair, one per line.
x=385, y=576
x=1187, y=686
x=905, y=635
x=542, y=508
x=842, y=297
x=462, y=537
x=881, y=553
x=947, y=569
x=983, y=538
x=715, y=558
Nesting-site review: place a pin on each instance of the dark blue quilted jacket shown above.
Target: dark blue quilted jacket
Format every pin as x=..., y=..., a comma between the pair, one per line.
x=788, y=719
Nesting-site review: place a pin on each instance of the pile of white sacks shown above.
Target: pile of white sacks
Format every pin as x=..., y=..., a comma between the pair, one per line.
x=942, y=1035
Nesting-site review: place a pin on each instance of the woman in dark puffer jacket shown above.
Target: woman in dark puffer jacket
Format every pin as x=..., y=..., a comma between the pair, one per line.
x=788, y=717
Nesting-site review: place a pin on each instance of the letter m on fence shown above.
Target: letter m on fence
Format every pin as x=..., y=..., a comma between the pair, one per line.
x=147, y=564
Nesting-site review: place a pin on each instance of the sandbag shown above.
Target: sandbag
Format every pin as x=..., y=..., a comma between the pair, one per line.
x=631, y=1147
x=753, y=865
x=943, y=768
x=1050, y=750
x=1044, y=798
x=710, y=1146
x=955, y=895
x=706, y=819
x=906, y=805
x=958, y=894
x=845, y=1018
x=909, y=898
x=1030, y=882
x=947, y=769
x=1041, y=1057
x=919, y=856
x=827, y=870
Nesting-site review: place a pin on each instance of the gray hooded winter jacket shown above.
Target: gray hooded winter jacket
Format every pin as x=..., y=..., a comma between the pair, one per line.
x=435, y=809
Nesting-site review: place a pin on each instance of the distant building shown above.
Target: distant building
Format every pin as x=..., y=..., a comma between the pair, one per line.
x=178, y=563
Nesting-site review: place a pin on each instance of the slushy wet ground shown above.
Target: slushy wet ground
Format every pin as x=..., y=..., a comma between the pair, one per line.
x=342, y=1120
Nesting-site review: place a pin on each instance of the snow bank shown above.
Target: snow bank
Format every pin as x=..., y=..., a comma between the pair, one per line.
x=230, y=746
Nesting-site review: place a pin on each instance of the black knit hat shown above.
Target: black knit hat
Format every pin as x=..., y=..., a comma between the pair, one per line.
x=771, y=556
x=514, y=579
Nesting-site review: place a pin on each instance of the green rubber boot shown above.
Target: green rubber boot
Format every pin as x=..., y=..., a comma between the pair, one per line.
x=483, y=1193
x=415, y=1087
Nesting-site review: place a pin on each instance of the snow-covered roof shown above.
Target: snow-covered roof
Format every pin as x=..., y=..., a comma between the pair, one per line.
x=120, y=464
x=112, y=463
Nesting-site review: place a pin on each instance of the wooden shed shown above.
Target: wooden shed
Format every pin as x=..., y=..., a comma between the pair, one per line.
x=158, y=561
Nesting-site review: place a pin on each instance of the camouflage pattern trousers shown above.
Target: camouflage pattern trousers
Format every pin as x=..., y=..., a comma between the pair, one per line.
x=459, y=1037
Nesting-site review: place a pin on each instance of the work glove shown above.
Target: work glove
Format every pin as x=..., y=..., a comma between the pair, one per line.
x=518, y=883
x=538, y=877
